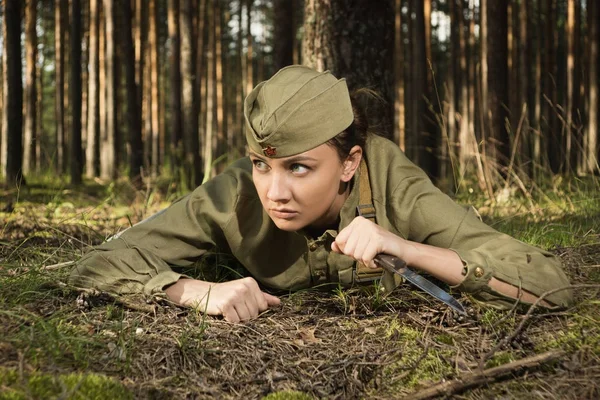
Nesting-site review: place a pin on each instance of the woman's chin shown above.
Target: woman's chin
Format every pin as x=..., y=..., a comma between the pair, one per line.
x=288, y=225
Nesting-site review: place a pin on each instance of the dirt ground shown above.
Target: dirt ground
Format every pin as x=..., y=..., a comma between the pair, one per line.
x=336, y=344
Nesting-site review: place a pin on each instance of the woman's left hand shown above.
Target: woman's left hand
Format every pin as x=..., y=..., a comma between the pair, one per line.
x=363, y=240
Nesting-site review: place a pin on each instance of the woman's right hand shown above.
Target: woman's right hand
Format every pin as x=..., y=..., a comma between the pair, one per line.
x=236, y=301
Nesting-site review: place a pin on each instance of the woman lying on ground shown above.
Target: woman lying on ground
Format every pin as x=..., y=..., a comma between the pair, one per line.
x=288, y=214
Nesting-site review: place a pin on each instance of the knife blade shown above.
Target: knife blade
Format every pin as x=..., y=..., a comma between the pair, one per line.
x=398, y=266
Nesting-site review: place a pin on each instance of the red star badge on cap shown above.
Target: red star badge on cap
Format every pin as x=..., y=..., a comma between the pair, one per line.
x=270, y=151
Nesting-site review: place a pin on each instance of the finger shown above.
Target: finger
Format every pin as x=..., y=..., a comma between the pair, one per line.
x=250, y=296
x=335, y=248
x=230, y=314
x=242, y=311
x=271, y=300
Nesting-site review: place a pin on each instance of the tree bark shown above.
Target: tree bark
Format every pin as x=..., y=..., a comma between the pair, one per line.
x=189, y=94
x=134, y=120
x=592, y=149
x=109, y=149
x=175, y=85
x=13, y=93
x=221, y=134
x=354, y=42
x=93, y=120
x=210, y=92
x=554, y=139
x=59, y=68
x=75, y=95
x=465, y=135
x=154, y=86
x=497, y=55
x=399, y=98
x=249, y=48
x=30, y=135
x=284, y=30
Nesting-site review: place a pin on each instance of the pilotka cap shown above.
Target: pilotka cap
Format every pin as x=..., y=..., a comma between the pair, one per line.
x=296, y=110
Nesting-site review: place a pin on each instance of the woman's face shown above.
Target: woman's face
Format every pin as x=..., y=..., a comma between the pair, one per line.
x=307, y=189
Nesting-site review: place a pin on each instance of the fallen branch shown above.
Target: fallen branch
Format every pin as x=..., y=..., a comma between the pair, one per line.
x=58, y=266
x=473, y=379
x=527, y=316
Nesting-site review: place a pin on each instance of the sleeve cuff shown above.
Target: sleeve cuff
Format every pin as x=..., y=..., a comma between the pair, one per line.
x=476, y=271
x=157, y=283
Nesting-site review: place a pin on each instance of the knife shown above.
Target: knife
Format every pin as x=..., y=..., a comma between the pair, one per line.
x=397, y=266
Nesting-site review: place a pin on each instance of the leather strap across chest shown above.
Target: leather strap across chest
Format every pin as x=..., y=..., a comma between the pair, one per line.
x=366, y=209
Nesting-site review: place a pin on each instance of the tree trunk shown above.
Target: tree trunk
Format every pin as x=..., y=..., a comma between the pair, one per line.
x=399, y=99
x=497, y=55
x=219, y=146
x=465, y=135
x=210, y=91
x=59, y=68
x=13, y=93
x=524, y=83
x=331, y=42
x=189, y=95
x=592, y=149
x=109, y=149
x=154, y=85
x=555, y=154
x=202, y=83
x=284, y=30
x=75, y=94
x=134, y=121
x=93, y=120
x=536, y=121
x=175, y=85
x=30, y=135
x=249, y=47
x=449, y=136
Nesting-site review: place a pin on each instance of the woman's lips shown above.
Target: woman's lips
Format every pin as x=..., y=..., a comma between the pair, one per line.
x=284, y=214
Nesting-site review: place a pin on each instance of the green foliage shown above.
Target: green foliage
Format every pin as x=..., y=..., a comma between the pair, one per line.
x=75, y=386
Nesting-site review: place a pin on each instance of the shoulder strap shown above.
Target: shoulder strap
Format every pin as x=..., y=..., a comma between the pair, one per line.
x=365, y=209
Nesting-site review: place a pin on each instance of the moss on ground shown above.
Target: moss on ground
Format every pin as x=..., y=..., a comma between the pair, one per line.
x=73, y=386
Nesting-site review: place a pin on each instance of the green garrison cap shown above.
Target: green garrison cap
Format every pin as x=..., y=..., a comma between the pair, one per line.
x=296, y=110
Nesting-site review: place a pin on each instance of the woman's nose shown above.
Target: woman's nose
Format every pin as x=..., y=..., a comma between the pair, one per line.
x=279, y=190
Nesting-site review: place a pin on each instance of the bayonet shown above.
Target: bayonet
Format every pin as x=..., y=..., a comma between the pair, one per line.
x=398, y=266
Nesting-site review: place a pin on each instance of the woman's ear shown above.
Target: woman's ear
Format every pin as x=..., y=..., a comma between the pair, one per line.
x=351, y=163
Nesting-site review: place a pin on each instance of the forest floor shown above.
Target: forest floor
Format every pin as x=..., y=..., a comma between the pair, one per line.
x=57, y=342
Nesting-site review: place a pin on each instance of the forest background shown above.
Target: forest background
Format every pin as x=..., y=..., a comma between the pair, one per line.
x=503, y=89
x=112, y=109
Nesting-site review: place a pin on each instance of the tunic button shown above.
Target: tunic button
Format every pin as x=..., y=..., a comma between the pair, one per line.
x=313, y=246
x=478, y=272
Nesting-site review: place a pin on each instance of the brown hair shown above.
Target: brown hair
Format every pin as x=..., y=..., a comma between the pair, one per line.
x=358, y=131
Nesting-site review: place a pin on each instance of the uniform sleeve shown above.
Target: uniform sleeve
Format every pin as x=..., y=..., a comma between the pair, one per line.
x=139, y=260
x=431, y=217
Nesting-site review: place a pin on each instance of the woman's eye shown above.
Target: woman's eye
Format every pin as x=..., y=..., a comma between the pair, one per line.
x=299, y=168
x=260, y=165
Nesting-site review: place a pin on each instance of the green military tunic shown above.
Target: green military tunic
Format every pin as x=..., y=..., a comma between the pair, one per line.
x=226, y=214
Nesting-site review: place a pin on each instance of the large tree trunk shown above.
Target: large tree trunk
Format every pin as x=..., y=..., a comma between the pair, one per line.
x=189, y=95
x=134, y=121
x=30, y=135
x=365, y=59
x=75, y=94
x=497, y=54
x=284, y=30
x=591, y=156
x=93, y=120
x=13, y=93
x=202, y=83
x=109, y=149
x=175, y=85
x=59, y=68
